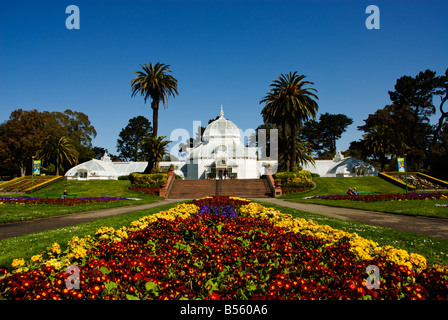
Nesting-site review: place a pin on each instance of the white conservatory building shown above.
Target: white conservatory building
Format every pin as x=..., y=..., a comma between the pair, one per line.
x=103, y=169
x=221, y=150
x=341, y=167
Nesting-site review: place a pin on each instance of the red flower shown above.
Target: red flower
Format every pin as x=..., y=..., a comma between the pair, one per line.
x=213, y=296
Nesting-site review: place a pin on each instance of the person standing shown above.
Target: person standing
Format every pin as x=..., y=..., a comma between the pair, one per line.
x=225, y=173
x=220, y=174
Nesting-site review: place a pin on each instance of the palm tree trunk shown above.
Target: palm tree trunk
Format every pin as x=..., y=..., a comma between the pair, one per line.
x=293, y=146
x=286, y=154
x=155, y=117
x=383, y=162
x=22, y=169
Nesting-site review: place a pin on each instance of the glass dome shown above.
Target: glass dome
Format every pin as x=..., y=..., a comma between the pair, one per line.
x=221, y=129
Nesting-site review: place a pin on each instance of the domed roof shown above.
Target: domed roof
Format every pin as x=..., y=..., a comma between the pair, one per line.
x=221, y=129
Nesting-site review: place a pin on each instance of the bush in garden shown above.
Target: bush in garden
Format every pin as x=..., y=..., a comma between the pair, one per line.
x=297, y=179
x=153, y=180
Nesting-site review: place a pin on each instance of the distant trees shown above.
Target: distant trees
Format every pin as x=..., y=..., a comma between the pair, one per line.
x=322, y=134
x=405, y=125
x=130, y=139
x=28, y=132
x=288, y=104
x=155, y=82
x=20, y=139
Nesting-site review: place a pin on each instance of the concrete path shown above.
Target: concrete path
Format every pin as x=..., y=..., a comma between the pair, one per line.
x=15, y=229
x=433, y=227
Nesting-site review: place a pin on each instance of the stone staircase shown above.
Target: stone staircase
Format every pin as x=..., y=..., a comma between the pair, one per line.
x=245, y=188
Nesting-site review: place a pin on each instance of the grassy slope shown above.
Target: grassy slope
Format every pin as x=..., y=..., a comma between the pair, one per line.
x=329, y=186
x=108, y=188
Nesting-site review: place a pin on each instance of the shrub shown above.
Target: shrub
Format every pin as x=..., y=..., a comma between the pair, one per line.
x=153, y=180
x=297, y=179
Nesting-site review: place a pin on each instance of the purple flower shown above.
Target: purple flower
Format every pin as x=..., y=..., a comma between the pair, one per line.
x=225, y=211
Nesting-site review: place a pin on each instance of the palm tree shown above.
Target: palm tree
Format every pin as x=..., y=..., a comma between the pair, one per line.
x=304, y=152
x=288, y=104
x=155, y=82
x=380, y=142
x=59, y=150
x=155, y=149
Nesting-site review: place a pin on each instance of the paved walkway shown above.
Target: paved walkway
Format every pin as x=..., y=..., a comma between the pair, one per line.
x=433, y=227
x=15, y=229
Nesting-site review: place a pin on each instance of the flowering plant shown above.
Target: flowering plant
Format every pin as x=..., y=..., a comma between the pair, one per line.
x=261, y=254
x=225, y=211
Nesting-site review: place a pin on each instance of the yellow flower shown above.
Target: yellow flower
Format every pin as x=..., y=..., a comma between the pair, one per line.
x=17, y=263
x=55, y=248
x=36, y=257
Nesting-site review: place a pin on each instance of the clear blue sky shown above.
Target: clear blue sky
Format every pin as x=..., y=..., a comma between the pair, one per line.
x=221, y=52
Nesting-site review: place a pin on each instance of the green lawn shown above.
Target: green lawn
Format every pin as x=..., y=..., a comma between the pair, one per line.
x=329, y=186
x=107, y=188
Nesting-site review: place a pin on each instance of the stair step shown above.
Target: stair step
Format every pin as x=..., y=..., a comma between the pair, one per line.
x=186, y=189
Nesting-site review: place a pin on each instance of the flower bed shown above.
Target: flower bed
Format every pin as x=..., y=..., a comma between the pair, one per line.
x=253, y=252
x=385, y=197
x=58, y=201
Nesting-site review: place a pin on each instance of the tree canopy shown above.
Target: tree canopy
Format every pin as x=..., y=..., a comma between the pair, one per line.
x=288, y=104
x=155, y=82
x=130, y=139
x=24, y=133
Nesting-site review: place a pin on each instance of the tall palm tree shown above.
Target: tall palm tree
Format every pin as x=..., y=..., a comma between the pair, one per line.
x=154, y=81
x=155, y=149
x=59, y=150
x=289, y=103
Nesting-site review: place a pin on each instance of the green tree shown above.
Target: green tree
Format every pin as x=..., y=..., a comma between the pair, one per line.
x=21, y=137
x=73, y=124
x=58, y=150
x=288, y=104
x=323, y=134
x=155, y=149
x=415, y=96
x=155, y=82
x=131, y=137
